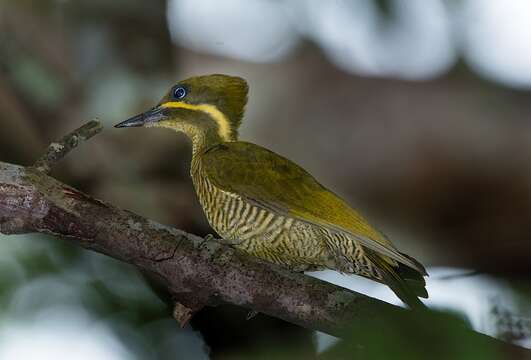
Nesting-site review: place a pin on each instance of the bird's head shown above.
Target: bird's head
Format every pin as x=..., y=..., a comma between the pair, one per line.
x=210, y=105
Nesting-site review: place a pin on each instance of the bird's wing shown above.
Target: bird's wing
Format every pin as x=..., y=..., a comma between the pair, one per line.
x=276, y=183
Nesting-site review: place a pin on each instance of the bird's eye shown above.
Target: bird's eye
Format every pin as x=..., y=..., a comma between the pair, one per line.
x=179, y=92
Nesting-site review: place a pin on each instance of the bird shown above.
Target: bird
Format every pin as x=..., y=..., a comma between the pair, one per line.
x=264, y=204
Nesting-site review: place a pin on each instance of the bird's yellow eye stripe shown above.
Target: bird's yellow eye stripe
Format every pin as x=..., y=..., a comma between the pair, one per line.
x=212, y=110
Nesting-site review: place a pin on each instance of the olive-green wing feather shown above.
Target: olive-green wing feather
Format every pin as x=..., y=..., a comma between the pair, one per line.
x=276, y=183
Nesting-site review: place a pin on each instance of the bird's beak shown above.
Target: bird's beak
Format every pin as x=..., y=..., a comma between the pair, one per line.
x=151, y=116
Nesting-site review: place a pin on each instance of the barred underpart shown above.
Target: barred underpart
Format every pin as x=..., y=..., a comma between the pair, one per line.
x=299, y=245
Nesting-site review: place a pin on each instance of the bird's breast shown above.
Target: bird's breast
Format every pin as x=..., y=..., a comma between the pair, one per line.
x=235, y=218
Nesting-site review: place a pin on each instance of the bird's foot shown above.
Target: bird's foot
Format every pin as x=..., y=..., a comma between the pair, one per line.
x=210, y=237
x=299, y=268
x=205, y=240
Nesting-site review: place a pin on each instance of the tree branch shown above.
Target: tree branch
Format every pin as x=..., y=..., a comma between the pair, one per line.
x=197, y=272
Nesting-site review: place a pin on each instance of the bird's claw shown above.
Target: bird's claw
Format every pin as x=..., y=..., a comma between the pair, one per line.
x=206, y=239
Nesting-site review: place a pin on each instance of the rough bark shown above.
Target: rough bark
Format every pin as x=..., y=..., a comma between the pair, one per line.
x=197, y=272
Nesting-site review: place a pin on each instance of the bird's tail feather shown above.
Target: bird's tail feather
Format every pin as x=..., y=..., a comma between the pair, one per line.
x=407, y=283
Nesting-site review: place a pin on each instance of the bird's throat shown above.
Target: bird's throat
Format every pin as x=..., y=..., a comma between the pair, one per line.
x=202, y=138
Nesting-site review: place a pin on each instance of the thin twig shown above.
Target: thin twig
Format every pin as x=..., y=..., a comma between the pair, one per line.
x=182, y=314
x=56, y=151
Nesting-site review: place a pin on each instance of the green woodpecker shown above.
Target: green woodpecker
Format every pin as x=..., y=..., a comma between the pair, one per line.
x=266, y=205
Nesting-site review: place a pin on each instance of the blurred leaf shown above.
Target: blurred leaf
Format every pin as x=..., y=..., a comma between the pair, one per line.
x=423, y=335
